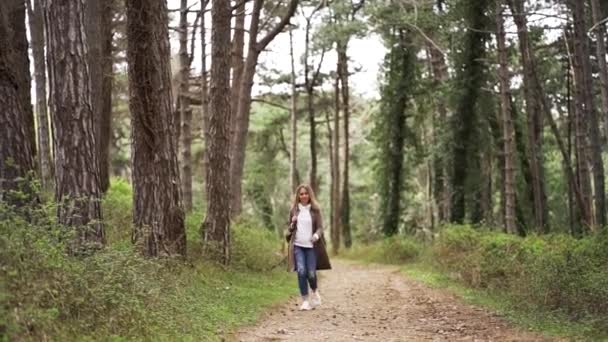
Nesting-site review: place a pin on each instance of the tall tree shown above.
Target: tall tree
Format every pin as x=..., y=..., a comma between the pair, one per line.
x=293, y=165
x=600, y=43
x=98, y=24
x=439, y=69
x=36, y=26
x=184, y=109
x=16, y=149
x=310, y=81
x=585, y=100
x=77, y=182
x=21, y=61
x=204, y=83
x=158, y=216
x=534, y=119
x=239, y=138
x=396, y=92
x=216, y=227
x=107, y=81
x=335, y=167
x=470, y=79
x=507, y=122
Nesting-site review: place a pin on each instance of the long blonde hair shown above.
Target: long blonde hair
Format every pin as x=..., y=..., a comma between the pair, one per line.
x=311, y=194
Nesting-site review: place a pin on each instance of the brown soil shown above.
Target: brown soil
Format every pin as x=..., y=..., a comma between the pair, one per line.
x=377, y=303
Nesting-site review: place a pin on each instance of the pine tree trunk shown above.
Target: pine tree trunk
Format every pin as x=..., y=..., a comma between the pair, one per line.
x=216, y=227
x=98, y=24
x=107, y=71
x=441, y=180
x=600, y=34
x=36, y=23
x=16, y=150
x=158, y=217
x=507, y=123
x=588, y=114
x=293, y=166
x=335, y=179
x=238, y=61
x=185, y=112
x=345, y=196
x=21, y=62
x=204, y=87
x=311, y=117
x=238, y=144
x=77, y=183
x=581, y=144
x=470, y=78
x=395, y=98
x=534, y=115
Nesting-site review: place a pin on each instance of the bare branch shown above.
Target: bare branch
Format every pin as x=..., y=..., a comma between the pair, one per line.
x=274, y=104
x=261, y=45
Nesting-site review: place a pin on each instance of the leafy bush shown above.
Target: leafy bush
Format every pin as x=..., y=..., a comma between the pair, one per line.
x=394, y=250
x=115, y=293
x=556, y=272
x=118, y=211
x=255, y=247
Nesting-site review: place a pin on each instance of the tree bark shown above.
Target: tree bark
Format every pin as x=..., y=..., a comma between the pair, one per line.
x=470, y=80
x=336, y=225
x=16, y=150
x=238, y=62
x=293, y=164
x=204, y=87
x=441, y=181
x=77, y=182
x=216, y=227
x=600, y=34
x=507, y=122
x=21, y=62
x=36, y=23
x=158, y=217
x=185, y=112
x=345, y=196
x=238, y=143
x=582, y=52
x=581, y=142
x=535, y=126
x=107, y=71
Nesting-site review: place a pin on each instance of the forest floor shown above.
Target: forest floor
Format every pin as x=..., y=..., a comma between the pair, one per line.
x=379, y=303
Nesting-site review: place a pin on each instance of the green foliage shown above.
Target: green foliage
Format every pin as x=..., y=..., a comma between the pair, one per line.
x=554, y=272
x=118, y=211
x=118, y=295
x=393, y=250
x=255, y=248
x=391, y=129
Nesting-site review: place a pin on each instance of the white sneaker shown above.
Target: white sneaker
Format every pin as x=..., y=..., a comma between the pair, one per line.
x=316, y=299
x=305, y=306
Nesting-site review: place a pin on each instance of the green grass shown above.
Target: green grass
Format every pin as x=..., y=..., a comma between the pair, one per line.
x=533, y=319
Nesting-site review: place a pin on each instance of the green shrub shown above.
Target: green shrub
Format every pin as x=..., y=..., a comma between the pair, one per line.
x=118, y=211
x=394, y=250
x=116, y=294
x=556, y=272
x=255, y=247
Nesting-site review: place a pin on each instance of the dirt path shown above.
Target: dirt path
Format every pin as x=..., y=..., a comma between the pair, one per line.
x=377, y=303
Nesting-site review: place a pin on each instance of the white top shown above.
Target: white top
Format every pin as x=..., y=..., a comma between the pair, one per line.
x=304, y=227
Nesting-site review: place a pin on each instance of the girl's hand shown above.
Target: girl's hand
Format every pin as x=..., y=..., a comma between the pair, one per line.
x=315, y=238
x=294, y=218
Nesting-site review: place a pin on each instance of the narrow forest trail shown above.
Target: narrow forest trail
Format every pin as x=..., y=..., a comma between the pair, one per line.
x=378, y=303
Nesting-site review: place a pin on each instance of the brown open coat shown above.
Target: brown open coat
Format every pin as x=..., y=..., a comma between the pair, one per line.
x=319, y=246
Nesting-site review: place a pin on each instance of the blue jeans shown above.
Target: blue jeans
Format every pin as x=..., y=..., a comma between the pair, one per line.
x=306, y=265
